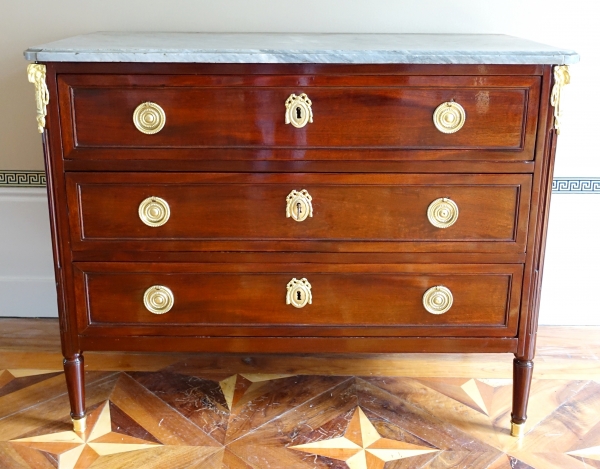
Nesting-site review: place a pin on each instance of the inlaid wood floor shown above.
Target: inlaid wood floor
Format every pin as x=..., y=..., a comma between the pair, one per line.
x=303, y=411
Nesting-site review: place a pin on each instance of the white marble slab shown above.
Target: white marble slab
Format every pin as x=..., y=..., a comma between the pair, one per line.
x=300, y=48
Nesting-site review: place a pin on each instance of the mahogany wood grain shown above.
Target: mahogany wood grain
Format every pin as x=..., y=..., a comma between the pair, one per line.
x=306, y=257
x=381, y=70
x=74, y=374
x=546, y=152
x=59, y=226
x=522, y=374
x=538, y=221
x=216, y=207
x=250, y=299
x=291, y=161
x=248, y=111
x=301, y=345
x=524, y=152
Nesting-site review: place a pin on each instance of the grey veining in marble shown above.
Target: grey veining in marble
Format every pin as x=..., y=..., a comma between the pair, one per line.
x=300, y=48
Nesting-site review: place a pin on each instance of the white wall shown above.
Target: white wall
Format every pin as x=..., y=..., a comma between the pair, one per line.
x=26, y=271
x=571, y=275
x=572, y=25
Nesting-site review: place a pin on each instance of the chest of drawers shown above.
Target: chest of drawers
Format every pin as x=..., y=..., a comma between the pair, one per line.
x=342, y=200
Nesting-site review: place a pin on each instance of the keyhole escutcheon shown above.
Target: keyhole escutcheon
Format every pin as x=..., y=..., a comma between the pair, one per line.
x=298, y=110
x=299, y=293
x=298, y=205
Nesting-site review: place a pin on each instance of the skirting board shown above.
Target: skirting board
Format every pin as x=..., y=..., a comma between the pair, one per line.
x=27, y=285
x=28, y=297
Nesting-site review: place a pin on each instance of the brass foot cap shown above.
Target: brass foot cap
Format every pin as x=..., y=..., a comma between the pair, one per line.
x=79, y=425
x=517, y=429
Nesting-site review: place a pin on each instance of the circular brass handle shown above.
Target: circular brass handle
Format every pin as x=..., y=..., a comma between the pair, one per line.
x=438, y=299
x=158, y=299
x=149, y=118
x=299, y=205
x=299, y=293
x=154, y=211
x=298, y=110
x=449, y=117
x=442, y=213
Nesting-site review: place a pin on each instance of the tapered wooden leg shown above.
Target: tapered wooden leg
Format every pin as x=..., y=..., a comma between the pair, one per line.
x=522, y=372
x=76, y=388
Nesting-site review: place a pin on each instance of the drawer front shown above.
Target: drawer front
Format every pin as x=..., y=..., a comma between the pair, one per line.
x=252, y=299
x=343, y=212
x=394, y=112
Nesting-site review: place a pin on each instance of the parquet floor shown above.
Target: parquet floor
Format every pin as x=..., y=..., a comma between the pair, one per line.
x=302, y=411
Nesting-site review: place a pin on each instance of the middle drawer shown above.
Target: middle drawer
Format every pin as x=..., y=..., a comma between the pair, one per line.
x=299, y=212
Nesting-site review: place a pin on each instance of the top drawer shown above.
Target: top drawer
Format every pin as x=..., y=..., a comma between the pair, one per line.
x=350, y=112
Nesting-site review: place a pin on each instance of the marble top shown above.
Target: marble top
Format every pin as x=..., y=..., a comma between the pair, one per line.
x=300, y=48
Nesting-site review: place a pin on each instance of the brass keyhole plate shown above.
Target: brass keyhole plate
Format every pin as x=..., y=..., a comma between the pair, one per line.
x=299, y=205
x=298, y=110
x=299, y=293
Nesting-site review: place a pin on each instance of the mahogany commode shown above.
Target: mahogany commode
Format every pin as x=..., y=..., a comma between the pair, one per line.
x=298, y=193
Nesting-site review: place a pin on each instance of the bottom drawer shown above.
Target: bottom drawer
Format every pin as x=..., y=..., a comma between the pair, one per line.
x=264, y=300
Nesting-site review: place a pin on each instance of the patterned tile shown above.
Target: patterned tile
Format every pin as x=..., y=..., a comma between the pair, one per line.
x=22, y=178
x=183, y=417
x=13, y=380
x=72, y=449
x=362, y=447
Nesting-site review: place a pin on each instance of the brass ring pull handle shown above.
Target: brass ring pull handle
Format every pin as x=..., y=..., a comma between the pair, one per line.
x=442, y=213
x=149, y=118
x=298, y=110
x=438, y=299
x=299, y=293
x=158, y=299
x=299, y=205
x=449, y=117
x=154, y=211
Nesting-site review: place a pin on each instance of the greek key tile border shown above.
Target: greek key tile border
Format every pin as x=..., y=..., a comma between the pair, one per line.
x=22, y=179
x=576, y=186
x=559, y=185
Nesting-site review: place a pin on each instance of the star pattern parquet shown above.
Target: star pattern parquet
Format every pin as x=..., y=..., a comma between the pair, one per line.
x=182, y=417
x=72, y=449
x=362, y=446
x=221, y=410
